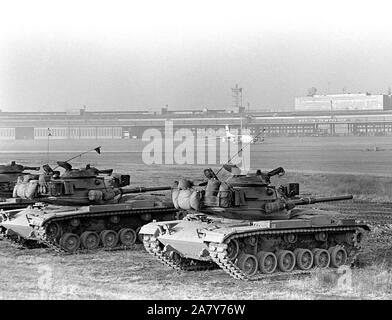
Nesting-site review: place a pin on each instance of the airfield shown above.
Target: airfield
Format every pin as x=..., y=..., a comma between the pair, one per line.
x=322, y=166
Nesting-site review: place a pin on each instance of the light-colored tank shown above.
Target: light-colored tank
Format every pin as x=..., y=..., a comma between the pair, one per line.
x=252, y=230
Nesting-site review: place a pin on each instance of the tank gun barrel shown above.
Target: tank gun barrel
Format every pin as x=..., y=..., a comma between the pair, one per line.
x=106, y=171
x=31, y=168
x=143, y=189
x=277, y=171
x=311, y=200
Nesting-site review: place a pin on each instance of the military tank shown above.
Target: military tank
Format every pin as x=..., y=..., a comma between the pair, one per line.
x=82, y=209
x=9, y=175
x=252, y=229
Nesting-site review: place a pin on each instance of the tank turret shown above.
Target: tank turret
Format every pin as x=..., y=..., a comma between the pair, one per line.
x=9, y=174
x=78, y=186
x=252, y=229
x=86, y=172
x=13, y=167
x=244, y=196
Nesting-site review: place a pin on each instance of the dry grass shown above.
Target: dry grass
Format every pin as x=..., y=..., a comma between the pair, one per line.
x=32, y=274
x=136, y=275
x=133, y=274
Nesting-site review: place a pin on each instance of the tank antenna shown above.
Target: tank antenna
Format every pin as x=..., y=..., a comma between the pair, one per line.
x=97, y=150
x=247, y=144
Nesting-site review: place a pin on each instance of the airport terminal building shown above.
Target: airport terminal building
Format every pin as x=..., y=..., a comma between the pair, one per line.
x=319, y=115
x=344, y=102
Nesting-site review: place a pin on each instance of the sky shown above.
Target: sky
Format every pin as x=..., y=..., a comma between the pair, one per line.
x=130, y=55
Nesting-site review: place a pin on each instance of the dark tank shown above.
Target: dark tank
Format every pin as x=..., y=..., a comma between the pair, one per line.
x=9, y=175
x=252, y=229
x=83, y=209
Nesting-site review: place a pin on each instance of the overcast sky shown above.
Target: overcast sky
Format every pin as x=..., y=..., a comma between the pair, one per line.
x=188, y=54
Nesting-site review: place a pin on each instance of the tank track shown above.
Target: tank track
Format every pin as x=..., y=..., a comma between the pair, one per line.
x=54, y=245
x=219, y=254
x=153, y=247
x=22, y=243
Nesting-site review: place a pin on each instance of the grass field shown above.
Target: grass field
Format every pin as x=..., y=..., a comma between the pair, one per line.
x=133, y=274
x=349, y=168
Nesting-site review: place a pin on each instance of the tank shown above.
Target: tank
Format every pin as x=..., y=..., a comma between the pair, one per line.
x=9, y=174
x=81, y=209
x=252, y=229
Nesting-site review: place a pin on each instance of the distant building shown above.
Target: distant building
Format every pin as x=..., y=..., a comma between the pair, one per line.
x=347, y=101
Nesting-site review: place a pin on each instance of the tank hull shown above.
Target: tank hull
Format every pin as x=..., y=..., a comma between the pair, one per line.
x=202, y=239
x=16, y=224
x=112, y=225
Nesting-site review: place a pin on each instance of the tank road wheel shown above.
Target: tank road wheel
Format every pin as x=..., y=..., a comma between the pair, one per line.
x=90, y=240
x=248, y=264
x=304, y=258
x=233, y=249
x=139, y=236
x=321, y=258
x=267, y=261
x=286, y=260
x=70, y=242
x=127, y=236
x=338, y=256
x=53, y=230
x=109, y=238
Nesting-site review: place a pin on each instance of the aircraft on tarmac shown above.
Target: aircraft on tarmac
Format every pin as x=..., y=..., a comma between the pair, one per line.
x=243, y=138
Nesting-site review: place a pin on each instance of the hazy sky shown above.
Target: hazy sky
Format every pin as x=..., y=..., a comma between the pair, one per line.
x=121, y=55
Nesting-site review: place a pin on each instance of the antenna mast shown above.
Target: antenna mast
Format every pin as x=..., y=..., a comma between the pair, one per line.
x=96, y=149
x=47, y=149
x=237, y=98
x=237, y=102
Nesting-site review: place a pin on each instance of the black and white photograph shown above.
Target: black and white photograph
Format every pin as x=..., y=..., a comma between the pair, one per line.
x=200, y=152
